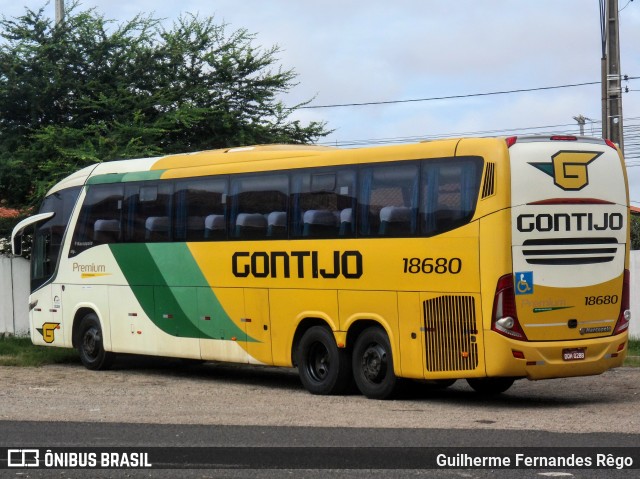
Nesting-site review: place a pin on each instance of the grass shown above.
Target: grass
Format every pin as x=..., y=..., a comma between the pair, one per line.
x=18, y=351
x=633, y=353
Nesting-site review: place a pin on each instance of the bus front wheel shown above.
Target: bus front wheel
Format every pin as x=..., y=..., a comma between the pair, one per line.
x=373, y=364
x=490, y=386
x=323, y=367
x=91, y=346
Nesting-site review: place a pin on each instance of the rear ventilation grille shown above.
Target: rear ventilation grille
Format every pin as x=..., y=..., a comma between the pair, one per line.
x=570, y=251
x=450, y=333
x=488, y=189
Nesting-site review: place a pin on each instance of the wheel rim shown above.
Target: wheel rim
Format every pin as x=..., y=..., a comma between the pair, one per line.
x=91, y=343
x=318, y=364
x=374, y=363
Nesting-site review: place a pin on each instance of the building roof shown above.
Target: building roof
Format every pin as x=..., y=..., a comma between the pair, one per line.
x=8, y=212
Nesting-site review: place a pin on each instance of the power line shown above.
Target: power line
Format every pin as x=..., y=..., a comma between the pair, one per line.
x=632, y=150
x=453, y=97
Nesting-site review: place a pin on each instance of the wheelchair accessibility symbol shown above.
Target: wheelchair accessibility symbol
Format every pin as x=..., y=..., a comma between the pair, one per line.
x=524, y=282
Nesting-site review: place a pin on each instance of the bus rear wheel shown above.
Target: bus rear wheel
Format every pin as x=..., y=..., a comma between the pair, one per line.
x=373, y=364
x=323, y=367
x=91, y=346
x=490, y=386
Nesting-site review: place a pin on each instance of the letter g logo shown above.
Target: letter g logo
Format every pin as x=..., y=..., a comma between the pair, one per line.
x=569, y=168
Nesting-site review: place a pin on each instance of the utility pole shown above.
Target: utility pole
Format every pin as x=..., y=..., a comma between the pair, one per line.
x=59, y=11
x=611, y=79
x=581, y=119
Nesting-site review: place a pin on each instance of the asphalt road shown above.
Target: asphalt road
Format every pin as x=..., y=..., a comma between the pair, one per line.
x=279, y=430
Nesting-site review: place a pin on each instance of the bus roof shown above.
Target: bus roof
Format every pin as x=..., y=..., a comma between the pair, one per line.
x=279, y=156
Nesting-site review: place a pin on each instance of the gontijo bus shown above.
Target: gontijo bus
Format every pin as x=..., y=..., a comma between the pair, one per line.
x=485, y=259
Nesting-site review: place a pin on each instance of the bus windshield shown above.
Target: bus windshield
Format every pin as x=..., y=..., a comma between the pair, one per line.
x=47, y=237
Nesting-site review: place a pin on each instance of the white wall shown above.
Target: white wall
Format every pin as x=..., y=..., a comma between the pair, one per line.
x=634, y=267
x=14, y=296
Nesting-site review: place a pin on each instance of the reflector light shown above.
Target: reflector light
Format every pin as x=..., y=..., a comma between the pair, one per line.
x=611, y=144
x=504, y=318
x=625, y=310
x=620, y=347
x=564, y=138
x=511, y=141
x=517, y=354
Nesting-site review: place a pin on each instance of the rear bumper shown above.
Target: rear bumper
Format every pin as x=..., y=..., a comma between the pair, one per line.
x=544, y=360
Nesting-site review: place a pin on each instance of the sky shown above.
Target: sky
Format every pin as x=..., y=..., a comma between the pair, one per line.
x=380, y=51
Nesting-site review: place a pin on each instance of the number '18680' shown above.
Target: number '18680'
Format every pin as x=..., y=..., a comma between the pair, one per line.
x=432, y=265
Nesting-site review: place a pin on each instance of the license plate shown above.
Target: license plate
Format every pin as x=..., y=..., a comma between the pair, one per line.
x=576, y=354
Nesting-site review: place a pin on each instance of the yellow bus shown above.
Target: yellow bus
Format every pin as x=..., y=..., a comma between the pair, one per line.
x=485, y=259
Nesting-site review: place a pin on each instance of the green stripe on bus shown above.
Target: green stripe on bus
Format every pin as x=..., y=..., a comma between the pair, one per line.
x=125, y=177
x=173, y=292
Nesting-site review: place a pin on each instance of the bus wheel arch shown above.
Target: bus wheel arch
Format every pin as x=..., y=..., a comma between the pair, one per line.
x=88, y=340
x=324, y=368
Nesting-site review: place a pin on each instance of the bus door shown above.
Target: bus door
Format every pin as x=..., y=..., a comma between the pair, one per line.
x=235, y=323
x=46, y=315
x=257, y=325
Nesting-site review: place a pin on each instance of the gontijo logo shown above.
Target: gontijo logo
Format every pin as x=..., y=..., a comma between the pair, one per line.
x=569, y=168
x=48, y=331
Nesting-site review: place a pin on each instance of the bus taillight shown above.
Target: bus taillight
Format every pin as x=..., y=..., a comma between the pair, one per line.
x=625, y=311
x=505, y=317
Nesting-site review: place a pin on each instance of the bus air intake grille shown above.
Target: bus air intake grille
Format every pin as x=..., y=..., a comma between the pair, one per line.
x=450, y=333
x=488, y=188
x=570, y=251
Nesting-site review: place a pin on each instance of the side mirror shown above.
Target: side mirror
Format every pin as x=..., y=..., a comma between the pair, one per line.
x=16, y=234
x=16, y=244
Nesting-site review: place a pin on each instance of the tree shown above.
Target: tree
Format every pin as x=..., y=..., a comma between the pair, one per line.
x=635, y=232
x=88, y=91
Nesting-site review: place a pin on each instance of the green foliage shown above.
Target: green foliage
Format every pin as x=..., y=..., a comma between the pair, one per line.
x=89, y=90
x=635, y=232
x=633, y=353
x=15, y=351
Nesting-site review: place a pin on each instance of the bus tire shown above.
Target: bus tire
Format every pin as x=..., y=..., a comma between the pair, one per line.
x=323, y=367
x=490, y=386
x=91, y=346
x=373, y=364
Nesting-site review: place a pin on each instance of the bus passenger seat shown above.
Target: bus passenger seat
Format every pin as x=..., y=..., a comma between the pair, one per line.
x=106, y=231
x=395, y=220
x=214, y=227
x=277, y=224
x=319, y=223
x=195, y=228
x=251, y=226
x=156, y=228
x=346, y=222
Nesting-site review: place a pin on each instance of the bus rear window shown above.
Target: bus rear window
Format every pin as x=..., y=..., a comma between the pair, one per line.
x=449, y=194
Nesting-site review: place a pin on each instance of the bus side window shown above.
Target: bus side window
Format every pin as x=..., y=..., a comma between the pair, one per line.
x=148, y=215
x=200, y=209
x=449, y=193
x=100, y=217
x=259, y=206
x=322, y=203
x=389, y=200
